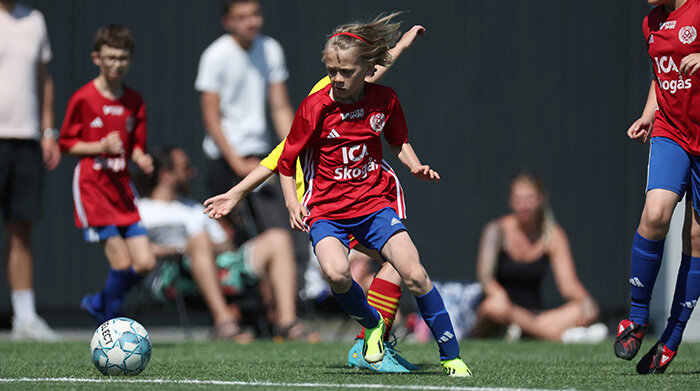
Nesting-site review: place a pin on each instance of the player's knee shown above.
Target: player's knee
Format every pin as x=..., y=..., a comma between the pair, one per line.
x=416, y=281
x=656, y=217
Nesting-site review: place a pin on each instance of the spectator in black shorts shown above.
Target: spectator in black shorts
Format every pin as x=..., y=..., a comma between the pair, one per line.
x=26, y=107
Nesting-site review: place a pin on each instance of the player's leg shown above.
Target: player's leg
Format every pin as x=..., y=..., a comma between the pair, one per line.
x=330, y=240
x=668, y=177
x=108, y=303
x=687, y=289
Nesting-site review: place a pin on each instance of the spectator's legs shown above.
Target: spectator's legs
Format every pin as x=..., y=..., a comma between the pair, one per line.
x=203, y=270
x=19, y=268
x=274, y=254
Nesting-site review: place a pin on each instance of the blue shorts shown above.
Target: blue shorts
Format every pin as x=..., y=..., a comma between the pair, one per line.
x=99, y=234
x=372, y=231
x=672, y=168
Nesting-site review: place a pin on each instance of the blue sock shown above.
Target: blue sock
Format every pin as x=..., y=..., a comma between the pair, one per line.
x=118, y=283
x=97, y=301
x=433, y=311
x=684, y=300
x=646, y=261
x=355, y=303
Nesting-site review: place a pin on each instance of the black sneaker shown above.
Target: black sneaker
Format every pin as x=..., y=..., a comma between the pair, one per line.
x=629, y=339
x=656, y=361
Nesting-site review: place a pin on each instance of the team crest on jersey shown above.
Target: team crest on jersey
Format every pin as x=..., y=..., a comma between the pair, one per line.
x=687, y=34
x=377, y=122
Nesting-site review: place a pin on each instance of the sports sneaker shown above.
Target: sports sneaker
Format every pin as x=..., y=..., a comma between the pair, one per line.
x=456, y=368
x=33, y=329
x=373, y=348
x=656, y=361
x=629, y=339
x=96, y=313
x=390, y=347
x=388, y=364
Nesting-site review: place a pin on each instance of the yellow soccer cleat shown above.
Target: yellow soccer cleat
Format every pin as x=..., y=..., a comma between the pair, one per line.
x=456, y=368
x=373, y=348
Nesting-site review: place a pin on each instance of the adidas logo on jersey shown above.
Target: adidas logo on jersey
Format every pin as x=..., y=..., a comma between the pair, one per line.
x=333, y=134
x=96, y=123
x=395, y=221
x=636, y=283
x=651, y=38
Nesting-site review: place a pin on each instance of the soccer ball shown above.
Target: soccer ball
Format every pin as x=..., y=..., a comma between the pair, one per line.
x=120, y=346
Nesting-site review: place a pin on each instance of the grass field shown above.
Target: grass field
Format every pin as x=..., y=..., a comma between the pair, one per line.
x=270, y=366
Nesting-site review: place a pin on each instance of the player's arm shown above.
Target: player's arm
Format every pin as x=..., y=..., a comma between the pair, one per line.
x=211, y=116
x=138, y=153
x=281, y=110
x=640, y=129
x=404, y=44
x=49, y=147
x=408, y=157
x=299, y=136
x=222, y=204
x=110, y=145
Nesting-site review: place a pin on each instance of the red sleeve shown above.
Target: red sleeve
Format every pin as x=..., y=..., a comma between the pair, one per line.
x=298, y=138
x=71, y=129
x=645, y=27
x=396, y=131
x=139, y=139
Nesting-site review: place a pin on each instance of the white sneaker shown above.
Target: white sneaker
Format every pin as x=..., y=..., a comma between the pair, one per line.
x=594, y=333
x=33, y=329
x=513, y=333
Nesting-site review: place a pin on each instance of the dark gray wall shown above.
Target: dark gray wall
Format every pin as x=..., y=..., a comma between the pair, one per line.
x=493, y=87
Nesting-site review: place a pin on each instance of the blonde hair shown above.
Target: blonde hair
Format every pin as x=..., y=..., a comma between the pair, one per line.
x=378, y=36
x=545, y=214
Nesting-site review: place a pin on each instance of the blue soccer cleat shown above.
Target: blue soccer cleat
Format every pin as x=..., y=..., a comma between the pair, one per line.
x=96, y=313
x=390, y=347
x=388, y=364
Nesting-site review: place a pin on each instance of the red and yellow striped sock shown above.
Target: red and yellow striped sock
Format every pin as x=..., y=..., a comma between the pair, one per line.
x=384, y=297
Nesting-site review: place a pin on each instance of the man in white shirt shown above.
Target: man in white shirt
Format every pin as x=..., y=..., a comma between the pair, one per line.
x=239, y=73
x=26, y=107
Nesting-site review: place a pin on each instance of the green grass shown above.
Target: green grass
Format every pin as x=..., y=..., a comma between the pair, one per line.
x=528, y=364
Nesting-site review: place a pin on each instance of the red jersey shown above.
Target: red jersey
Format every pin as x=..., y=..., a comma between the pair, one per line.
x=670, y=37
x=102, y=190
x=341, y=152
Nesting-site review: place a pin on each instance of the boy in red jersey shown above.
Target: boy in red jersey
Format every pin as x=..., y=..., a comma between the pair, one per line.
x=672, y=110
x=336, y=133
x=105, y=124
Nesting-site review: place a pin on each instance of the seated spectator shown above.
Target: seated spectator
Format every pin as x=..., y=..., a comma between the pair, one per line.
x=178, y=226
x=514, y=253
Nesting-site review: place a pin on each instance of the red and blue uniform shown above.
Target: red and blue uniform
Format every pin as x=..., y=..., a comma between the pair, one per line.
x=102, y=190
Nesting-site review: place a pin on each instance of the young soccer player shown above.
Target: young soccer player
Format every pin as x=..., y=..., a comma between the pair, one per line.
x=336, y=132
x=670, y=31
x=385, y=289
x=105, y=124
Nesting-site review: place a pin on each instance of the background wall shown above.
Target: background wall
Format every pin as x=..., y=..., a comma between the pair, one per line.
x=491, y=88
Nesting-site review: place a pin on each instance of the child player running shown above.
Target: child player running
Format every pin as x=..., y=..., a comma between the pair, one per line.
x=105, y=124
x=336, y=132
x=672, y=110
x=385, y=289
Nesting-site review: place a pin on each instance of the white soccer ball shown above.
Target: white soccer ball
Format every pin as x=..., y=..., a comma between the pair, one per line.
x=120, y=346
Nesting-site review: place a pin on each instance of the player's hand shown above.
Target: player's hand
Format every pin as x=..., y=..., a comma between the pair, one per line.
x=245, y=165
x=409, y=37
x=112, y=144
x=297, y=214
x=426, y=173
x=50, y=153
x=690, y=64
x=145, y=163
x=640, y=129
x=219, y=206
